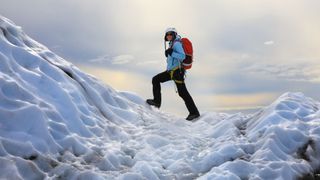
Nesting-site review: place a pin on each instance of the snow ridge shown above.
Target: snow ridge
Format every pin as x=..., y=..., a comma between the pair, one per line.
x=59, y=122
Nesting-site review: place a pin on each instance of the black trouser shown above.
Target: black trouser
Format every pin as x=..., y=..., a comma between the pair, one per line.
x=178, y=77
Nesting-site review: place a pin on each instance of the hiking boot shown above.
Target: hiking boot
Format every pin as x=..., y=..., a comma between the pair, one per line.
x=192, y=117
x=151, y=102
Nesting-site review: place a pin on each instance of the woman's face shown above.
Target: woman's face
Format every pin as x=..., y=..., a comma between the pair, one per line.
x=169, y=36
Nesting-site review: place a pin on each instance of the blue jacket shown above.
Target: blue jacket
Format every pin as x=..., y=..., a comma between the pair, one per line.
x=177, y=55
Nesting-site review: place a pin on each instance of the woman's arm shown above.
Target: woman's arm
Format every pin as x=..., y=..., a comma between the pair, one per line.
x=178, y=52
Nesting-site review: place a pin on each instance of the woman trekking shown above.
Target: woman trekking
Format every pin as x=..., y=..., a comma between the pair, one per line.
x=175, y=55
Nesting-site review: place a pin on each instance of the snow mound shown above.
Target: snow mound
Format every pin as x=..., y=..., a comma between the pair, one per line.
x=280, y=141
x=59, y=122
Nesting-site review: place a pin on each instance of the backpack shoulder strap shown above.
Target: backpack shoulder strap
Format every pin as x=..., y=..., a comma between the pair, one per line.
x=176, y=40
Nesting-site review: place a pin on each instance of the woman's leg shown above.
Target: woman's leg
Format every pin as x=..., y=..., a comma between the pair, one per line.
x=184, y=94
x=178, y=76
x=156, y=80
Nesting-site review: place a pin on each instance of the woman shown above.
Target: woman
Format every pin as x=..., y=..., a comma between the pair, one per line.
x=175, y=55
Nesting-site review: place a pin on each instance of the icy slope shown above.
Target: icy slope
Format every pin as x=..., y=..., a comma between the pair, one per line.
x=58, y=122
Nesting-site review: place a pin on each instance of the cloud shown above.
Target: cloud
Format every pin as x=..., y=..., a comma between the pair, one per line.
x=122, y=59
x=100, y=59
x=291, y=72
x=268, y=43
x=148, y=63
x=242, y=100
x=128, y=81
x=116, y=60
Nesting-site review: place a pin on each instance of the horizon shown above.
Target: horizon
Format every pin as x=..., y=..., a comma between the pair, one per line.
x=247, y=53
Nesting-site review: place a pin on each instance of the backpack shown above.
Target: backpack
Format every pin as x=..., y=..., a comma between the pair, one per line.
x=188, y=50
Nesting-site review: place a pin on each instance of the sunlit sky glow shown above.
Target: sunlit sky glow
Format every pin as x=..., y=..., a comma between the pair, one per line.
x=247, y=52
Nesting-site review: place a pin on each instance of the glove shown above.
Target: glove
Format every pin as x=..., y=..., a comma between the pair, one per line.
x=169, y=52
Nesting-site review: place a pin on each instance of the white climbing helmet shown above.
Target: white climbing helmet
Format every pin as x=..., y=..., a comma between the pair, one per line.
x=171, y=29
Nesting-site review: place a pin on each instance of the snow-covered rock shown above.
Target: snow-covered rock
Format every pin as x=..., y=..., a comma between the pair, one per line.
x=59, y=122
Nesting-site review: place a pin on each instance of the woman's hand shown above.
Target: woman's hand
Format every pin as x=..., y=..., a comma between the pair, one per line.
x=169, y=52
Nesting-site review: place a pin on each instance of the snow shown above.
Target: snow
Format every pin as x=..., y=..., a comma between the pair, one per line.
x=59, y=122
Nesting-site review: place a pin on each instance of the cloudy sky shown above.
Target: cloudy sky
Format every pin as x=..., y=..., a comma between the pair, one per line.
x=247, y=52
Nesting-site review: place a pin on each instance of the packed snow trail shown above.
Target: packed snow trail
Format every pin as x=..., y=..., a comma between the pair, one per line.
x=58, y=122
